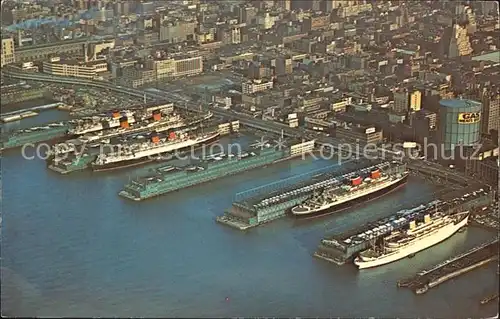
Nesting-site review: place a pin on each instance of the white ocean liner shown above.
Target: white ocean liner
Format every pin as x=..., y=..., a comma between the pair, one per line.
x=172, y=121
x=145, y=149
x=403, y=243
x=333, y=198
x=97, y=123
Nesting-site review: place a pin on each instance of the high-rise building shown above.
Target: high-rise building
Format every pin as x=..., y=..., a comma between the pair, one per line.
x=284, y=65
x=491, y=111
x=178, y=31
x=7, y=56
x=301, y=4
x=316, y=5
x=466, y=14
x=247, y=14
x=415, y=101
x=407, y=100
x=284, y=4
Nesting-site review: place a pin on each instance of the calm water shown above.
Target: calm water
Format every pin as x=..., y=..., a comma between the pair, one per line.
x=72, y=247
x=43, y=117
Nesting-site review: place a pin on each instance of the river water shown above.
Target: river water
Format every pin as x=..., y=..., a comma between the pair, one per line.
x=72, y=247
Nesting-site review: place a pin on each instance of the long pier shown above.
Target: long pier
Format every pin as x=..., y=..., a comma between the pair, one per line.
x=451, y=268
x=272, y=201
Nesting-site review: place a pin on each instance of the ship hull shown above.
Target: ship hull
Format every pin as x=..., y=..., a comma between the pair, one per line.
x=145, y=159
x=123, y=164
x=443, y=234
x=354, y=202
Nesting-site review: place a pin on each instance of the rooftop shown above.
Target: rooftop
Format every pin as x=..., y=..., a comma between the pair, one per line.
x=492, y=56
x=458, y=103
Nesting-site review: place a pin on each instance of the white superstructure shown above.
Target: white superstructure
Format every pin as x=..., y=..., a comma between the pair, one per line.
x=401, y=244
x=95, y=123
x=345, y=193
x=145, y=149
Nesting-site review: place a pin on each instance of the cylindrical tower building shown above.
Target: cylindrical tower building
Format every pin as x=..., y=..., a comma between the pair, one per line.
x=459, y=123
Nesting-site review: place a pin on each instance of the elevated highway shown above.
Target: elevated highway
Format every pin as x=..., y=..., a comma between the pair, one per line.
x=436, y=170
x=275, y=127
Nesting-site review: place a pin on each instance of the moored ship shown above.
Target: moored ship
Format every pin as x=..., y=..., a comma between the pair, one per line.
x=416, y=237
x=157, y=121
x=101, y=122
x=127, y=155
x=356, y=190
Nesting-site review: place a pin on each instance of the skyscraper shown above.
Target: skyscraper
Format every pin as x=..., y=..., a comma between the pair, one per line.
x=459, y=42
x=491, y=111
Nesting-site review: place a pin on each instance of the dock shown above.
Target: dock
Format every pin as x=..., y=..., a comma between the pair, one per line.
x=451, y=268
x=18, y=116
x=272, y=201
x=342, y=248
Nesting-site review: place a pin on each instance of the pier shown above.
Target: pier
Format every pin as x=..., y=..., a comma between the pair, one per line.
x=272, y=201
x=342, y=248
x=451, y=268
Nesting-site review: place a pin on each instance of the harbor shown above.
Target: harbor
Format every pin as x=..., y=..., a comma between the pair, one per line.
x=262, y=203
x=451, y=268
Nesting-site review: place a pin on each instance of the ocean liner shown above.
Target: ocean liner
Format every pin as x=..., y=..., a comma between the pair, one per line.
x=143, y=152
x=417, y=237
x=157, y=122
x=354, y=191
x=101, y=122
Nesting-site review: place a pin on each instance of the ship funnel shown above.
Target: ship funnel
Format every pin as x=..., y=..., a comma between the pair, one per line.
x=156, y=115
x=171, y=136
x=116, y=114
x=356, y=181
x=124, y=122
x=427, y=219
x=413, y=225
x=375, y=174
x=154, y=137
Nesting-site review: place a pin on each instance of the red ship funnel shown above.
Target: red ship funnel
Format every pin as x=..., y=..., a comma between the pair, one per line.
x=156, y=116
x=124, y=122
x=171, y=136
x=375, y=174
x=356, y=181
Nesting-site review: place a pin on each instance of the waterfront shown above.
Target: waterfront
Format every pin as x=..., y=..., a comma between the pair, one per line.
x=83, y=251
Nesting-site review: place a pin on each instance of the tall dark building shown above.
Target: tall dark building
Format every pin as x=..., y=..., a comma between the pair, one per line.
x=301, y=4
